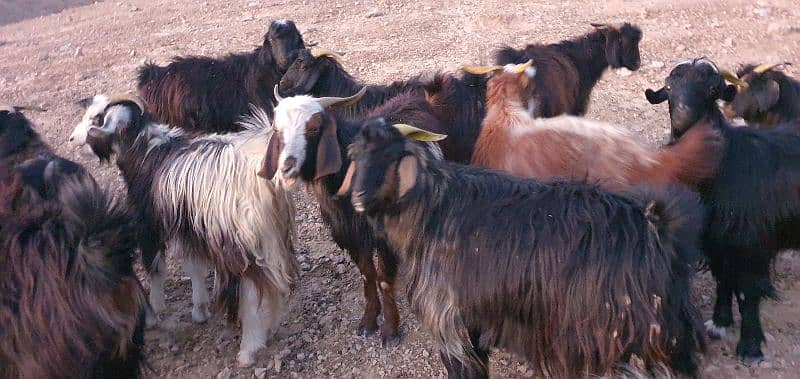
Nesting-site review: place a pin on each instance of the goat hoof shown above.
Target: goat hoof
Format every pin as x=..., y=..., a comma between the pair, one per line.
x=200, y=313
x=245, y=359
x=367, y=328
x=390, y=338
x=749, y=355
x=715, y=332
x=150, y=319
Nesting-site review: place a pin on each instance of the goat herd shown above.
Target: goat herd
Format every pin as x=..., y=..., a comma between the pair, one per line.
x=584, y=267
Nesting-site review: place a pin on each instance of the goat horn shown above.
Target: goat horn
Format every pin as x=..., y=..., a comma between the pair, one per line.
x=481, y=70
x=317, y=52
x=760, y=69
x=599, y=25
x=419, y=134
x=731, y=77
x=520, y=68
x=127, y=98
x=327, y=102
x=278, y=96
x=8, y=108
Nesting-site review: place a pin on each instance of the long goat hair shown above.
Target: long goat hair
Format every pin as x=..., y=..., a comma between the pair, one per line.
x=202, y=196
x=572, y=277
x=69, y=299
x=582, y=149
x=568, y=70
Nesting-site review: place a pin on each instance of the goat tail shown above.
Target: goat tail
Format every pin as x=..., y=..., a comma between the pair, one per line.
x=693, y=159
x=148, y=73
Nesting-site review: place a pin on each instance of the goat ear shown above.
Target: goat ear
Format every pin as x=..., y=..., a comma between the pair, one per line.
x=729, y=93
x=656, y=97
x=613, y=47
x=329, y=158
x=85, y=103
x=768, y=96
x=101, y=142
x=270, y=164
x=407, y=171
x=344, y=189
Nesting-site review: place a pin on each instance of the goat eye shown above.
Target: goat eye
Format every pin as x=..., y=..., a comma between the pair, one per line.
x=668, y=87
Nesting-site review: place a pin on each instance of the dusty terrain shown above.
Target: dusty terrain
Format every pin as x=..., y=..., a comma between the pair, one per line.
x=54, y=60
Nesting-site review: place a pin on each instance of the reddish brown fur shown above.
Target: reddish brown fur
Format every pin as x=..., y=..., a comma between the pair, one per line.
x=512, y=141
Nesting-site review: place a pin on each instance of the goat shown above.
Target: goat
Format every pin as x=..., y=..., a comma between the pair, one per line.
x=70, y=303
x=202, y=197
x=765, y=97
x=753, y=200
x=203, y=94
x=569, y=70
x=572, y=277
x=311, y=145
x=578, y=148
x=457, y=100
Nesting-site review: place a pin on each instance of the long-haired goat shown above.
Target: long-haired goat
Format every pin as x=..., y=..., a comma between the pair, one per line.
x=753, y=200
x=457, y=100
x=203, y=94
x=578, y=148
x=765, y=96
x=70, y=303
x=569, y=70
x=202, y=197
x=572, y=277
x=312, y=146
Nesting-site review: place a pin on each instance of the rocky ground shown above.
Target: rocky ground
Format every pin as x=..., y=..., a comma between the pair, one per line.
x=53, y=60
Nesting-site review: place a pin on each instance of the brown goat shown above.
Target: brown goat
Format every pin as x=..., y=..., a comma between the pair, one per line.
x=578, y=148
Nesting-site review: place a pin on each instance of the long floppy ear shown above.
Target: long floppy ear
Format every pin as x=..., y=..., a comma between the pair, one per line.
x=768, y=96
x=270, y=164
x=329, y=156
x=101, y=142
x=656, y=97
x=407, y=172
x=344, y=189
x=729, y=93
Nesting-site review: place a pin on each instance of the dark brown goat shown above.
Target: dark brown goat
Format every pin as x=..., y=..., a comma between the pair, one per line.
x=70, y=303
x=457, y=99
x=766, y=97
x=312, y=146
x=572, y=277
x=581, y=149
x=568, y=71
x=203, y=94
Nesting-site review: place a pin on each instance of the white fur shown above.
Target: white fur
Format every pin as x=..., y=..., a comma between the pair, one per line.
x=78, y=136
x=197, y=271
x=291, y=116
x=157, y=298
x=714, y=330
x=259, y=317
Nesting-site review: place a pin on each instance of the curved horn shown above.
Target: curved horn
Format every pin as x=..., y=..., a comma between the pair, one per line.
x=317, y=52
x=599, y=25
x=481, y=70
x=327, y=102
x=731, y=77
x=127, y=98
x=419, y=134
x=278, y=96
x=762, y=68
x=520, y=68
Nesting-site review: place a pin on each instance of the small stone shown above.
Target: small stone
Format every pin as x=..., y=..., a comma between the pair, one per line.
x=277, y=360
x=301, y=356
x=765, y=364
x=680, y=48
x=260, y=372
x=135, y=9
x=427, y=8
x=341, y=269
x=375, y=13
x=43, y=56
x=656, y=64
x=624, y=72
x=728, y=42
x=133, y=53
x=425, y=353
x=761, y=12
x=78, y=51
x=225, y=373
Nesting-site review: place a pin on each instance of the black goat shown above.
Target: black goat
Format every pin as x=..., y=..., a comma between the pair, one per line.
x=70, y=303
x=566, y=72
x=573, y=278
x=457, y=101
x=766, y=97
x=203, y=94
x=753, y=201
x=312, y=143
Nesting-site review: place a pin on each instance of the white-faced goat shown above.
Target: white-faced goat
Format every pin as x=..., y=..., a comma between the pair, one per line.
x=572, y=277
x=578, y=148
x=312, y=146
x=753, y=200
x=70, y=303
x=202, y=198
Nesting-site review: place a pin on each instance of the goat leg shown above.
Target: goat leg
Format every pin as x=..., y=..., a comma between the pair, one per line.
x=369, y=321
x=390, y=330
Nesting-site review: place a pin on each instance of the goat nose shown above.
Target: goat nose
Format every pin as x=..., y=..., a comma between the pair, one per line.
x=288, y=164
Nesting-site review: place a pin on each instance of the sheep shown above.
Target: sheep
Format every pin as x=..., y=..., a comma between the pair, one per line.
x=312, y=146
x=70, y=303
x=202, y=197
x=571, y=277
x=765, y=96
x=203, y=94
x=578, y=148
x=457, y=100
x=753, y=200
x=569, y=70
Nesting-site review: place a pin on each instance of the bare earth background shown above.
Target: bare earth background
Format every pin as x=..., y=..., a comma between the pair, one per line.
x=53, y=60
